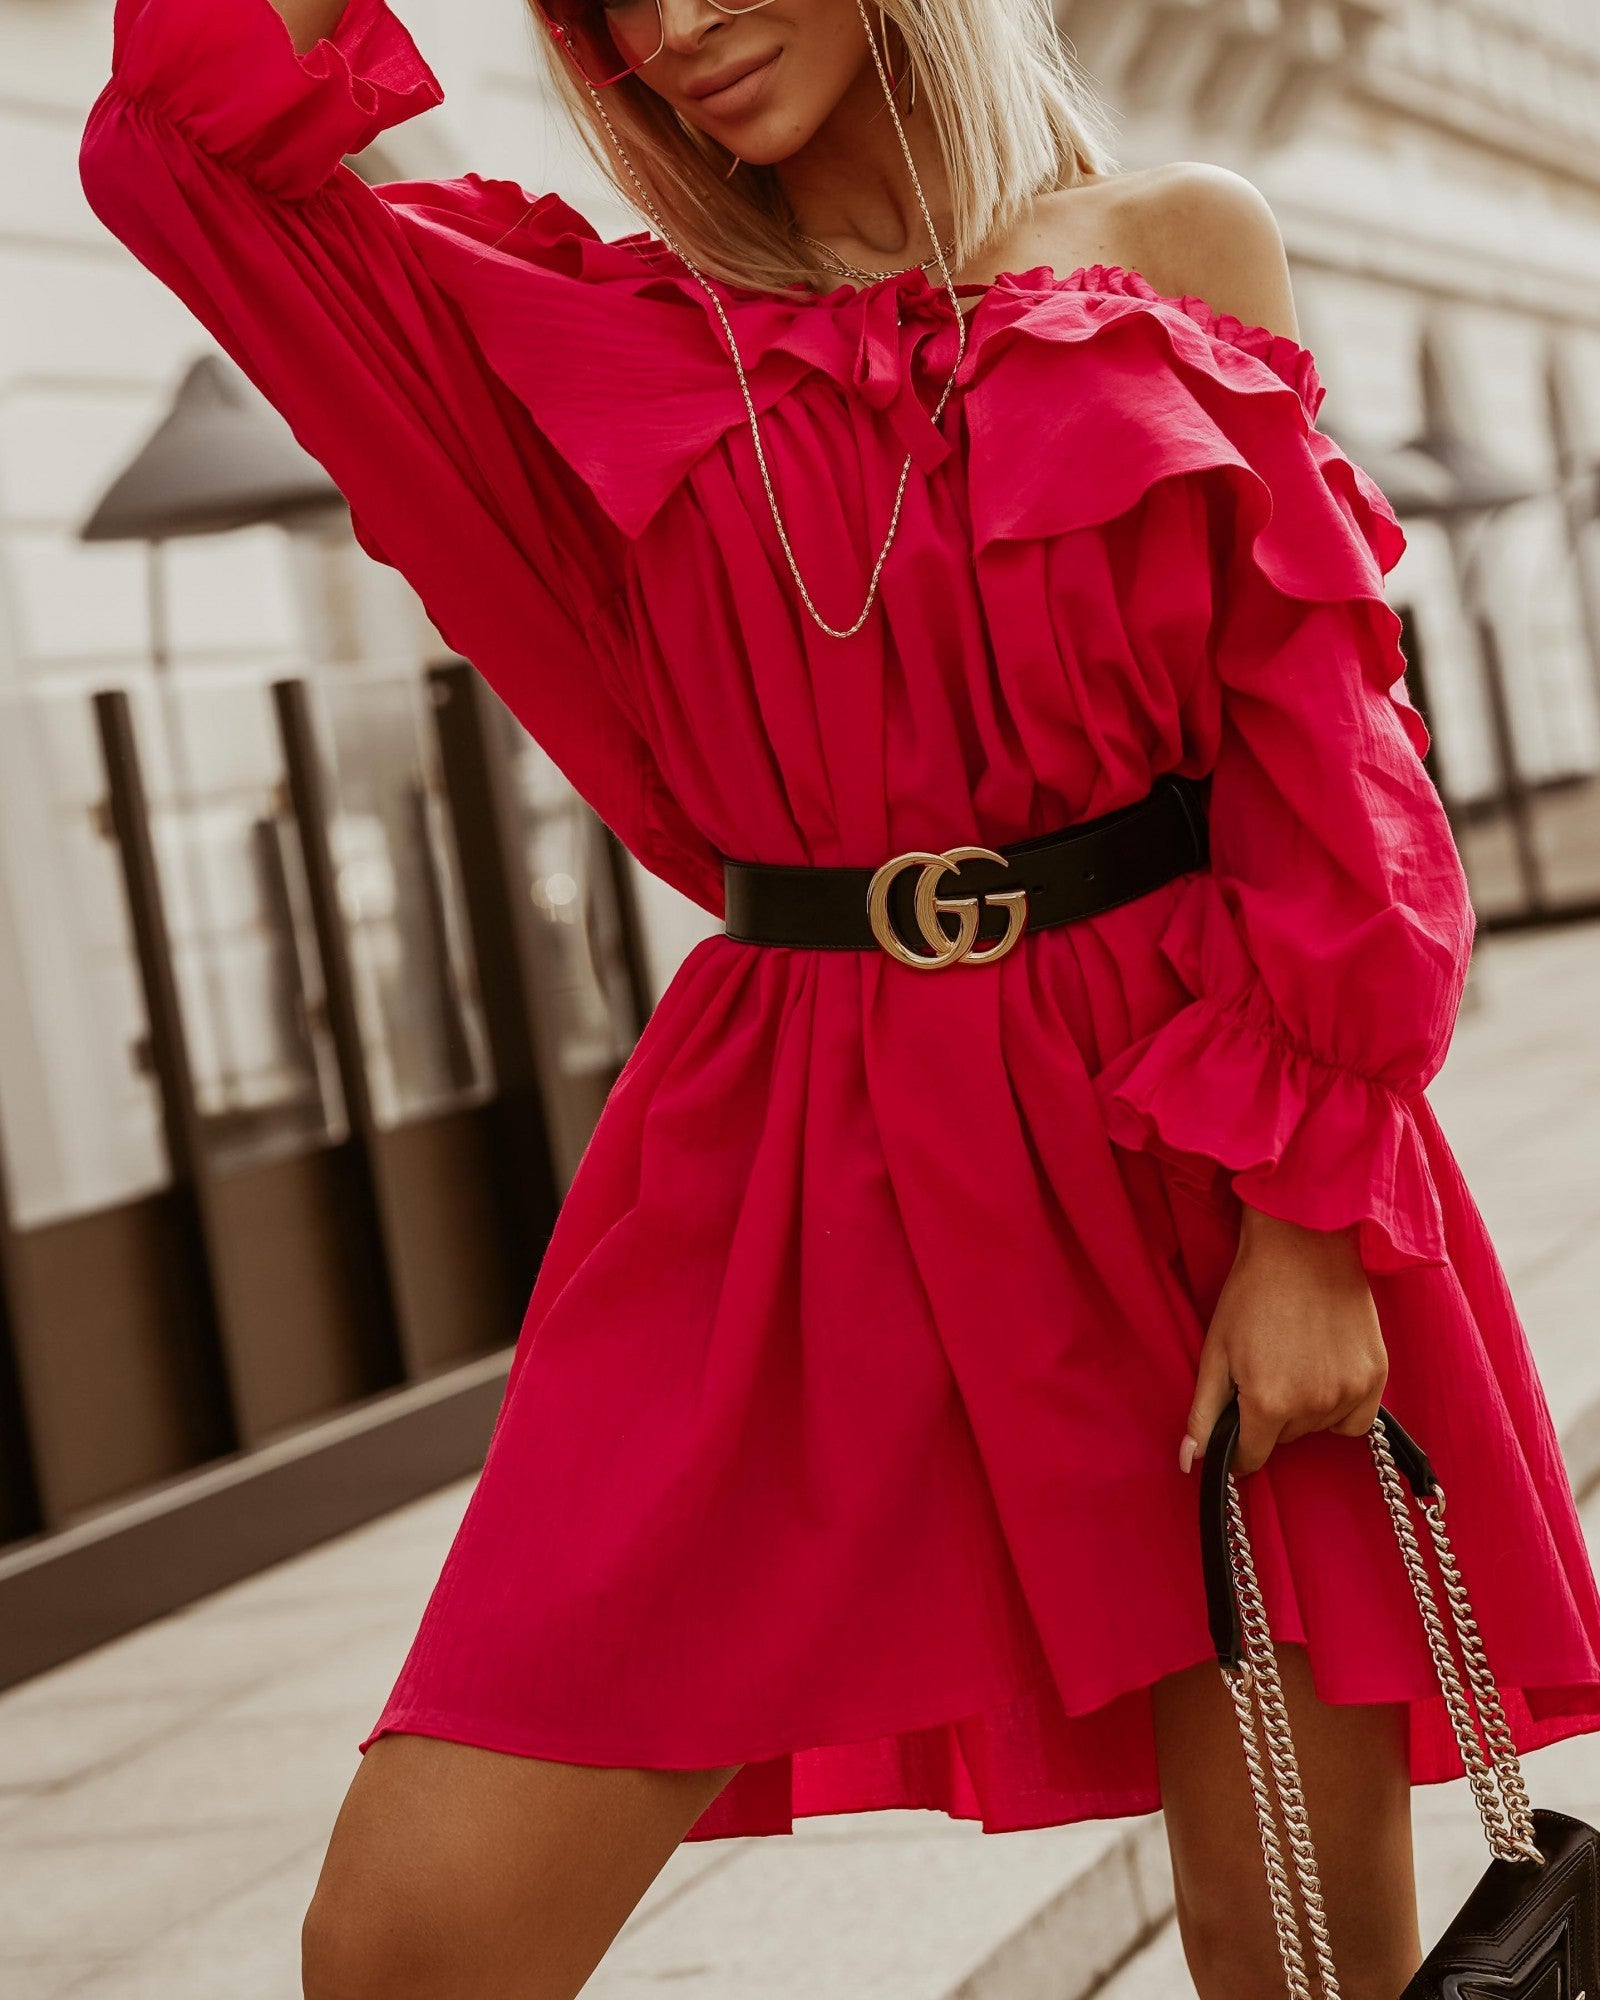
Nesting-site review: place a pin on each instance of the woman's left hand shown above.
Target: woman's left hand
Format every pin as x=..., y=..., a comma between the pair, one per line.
x=1296, y=1329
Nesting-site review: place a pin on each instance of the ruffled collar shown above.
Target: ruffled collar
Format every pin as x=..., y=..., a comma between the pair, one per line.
x=666, y=360
x=567, y=240
x=917, y=289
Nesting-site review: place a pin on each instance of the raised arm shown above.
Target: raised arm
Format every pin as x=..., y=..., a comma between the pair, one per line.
x=214, y=152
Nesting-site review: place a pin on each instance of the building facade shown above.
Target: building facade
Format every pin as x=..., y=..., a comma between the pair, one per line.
x=1435, y=165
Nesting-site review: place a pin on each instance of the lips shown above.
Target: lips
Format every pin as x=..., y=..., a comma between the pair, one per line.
x=709, y=86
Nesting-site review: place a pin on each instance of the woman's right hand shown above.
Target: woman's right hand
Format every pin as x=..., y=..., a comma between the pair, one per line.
x=1297, y=1331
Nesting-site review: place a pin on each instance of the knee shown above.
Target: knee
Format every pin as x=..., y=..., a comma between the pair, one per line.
x=352, y=1948
x=1233, y=1958
x=337, y=1961
x=1229, y=1959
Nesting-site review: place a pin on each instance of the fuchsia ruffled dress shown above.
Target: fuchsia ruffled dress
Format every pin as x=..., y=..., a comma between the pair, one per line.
x=841, y=1436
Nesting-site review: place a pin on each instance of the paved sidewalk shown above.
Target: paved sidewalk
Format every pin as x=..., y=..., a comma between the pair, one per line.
x=164, y=1801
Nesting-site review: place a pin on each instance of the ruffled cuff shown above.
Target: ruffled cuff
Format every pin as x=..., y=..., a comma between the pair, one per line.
x=1224, y=1096
x=230, y=77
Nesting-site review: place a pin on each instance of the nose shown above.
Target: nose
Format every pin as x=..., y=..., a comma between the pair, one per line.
x=685, y=23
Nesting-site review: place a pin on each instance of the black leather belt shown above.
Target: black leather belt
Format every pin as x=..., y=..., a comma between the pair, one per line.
x=1054, y=878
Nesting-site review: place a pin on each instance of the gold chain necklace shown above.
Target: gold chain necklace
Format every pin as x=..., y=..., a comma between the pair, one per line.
x=833, y=631
x=855, y=270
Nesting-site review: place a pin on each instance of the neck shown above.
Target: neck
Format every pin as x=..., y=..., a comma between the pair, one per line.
x=849, y=184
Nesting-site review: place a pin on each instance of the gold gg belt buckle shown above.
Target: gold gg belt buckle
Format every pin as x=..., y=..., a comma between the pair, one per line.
x=945, y=950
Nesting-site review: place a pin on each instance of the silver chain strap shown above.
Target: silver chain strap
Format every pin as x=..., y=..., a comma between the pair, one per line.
x=1256, y=1689
x=833, y=631
x=1259, y=1703
x=1496, y=1780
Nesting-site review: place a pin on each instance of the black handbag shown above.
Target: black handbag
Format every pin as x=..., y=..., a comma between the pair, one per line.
x=1530, y=1930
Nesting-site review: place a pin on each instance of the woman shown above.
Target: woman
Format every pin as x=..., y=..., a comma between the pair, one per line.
x=923, y=483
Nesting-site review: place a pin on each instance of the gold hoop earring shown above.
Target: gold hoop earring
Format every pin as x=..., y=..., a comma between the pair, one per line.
x=896, y=81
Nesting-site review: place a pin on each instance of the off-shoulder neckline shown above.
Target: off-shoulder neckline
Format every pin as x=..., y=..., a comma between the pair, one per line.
x=1098, y=277
x=1286, y=356
x=653, y=259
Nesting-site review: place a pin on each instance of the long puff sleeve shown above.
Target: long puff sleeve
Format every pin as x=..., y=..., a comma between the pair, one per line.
x=1327, y=948
x=214, y=153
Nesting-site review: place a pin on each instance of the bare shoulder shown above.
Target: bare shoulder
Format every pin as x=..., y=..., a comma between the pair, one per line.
x=1188, y=227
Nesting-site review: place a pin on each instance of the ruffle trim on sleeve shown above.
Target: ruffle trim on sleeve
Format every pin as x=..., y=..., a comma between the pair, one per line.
x=1180, y=390
x=1287, y=359
x=1226, y=1098
x=229, y=76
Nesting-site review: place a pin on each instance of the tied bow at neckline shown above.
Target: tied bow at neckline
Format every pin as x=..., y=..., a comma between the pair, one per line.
x=885, y=368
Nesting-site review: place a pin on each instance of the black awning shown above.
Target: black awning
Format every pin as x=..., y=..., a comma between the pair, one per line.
x=221, y=458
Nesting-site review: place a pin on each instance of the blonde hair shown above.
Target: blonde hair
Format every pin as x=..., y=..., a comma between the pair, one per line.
x=1013, y=113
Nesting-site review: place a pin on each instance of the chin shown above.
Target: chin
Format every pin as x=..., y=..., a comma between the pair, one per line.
x=764, y=141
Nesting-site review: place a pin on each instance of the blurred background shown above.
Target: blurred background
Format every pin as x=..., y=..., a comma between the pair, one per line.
x=314, y=975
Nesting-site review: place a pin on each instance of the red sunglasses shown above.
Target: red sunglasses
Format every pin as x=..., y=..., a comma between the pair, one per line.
x=610, y=39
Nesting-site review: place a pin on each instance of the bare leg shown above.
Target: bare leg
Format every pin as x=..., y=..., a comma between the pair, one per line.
x=456, y=1873
x=1353, y=1764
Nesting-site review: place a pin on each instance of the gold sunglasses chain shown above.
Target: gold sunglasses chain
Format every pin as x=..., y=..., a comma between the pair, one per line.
x=833, y=631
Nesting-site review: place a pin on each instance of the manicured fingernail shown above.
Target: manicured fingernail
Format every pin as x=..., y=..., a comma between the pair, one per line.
x=1186, y=1454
